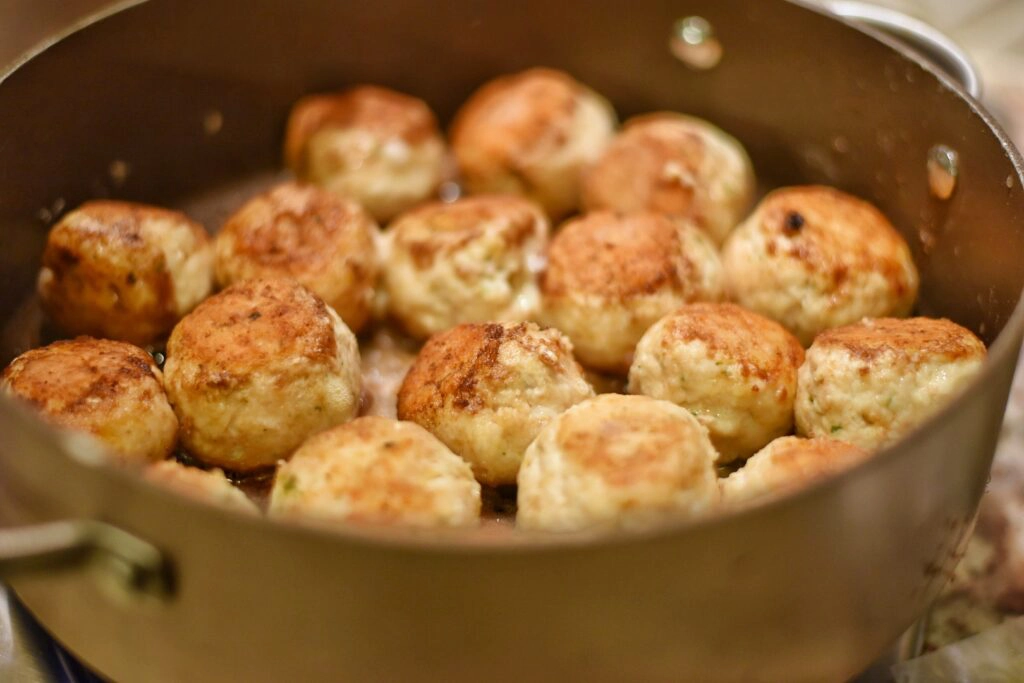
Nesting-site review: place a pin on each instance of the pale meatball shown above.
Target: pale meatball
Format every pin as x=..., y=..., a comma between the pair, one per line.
x=487, y=390
x=108, y=389
x=377, y=471
x=733, y=369
x=674, y=164
x=475, y=260
x=374, y=145
x=300, y=231
x=124, y=271
x=617, y=461
x=532, y=133
x=611, y=277
x=256, y=369
x=872, y=382
x=787, y=464
x=814, y=258
x=208, y=486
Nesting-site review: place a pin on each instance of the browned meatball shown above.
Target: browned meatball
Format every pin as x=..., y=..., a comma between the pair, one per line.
x=787, y=464
x=305, y=233
x=208, y=486
x=674, y=164
x=377, y=471
x=617, y=461
x=124, y=271
x=474, y=260
x=374, y=145
x=256, y=369
x=111, y=390
x=486, y=390
x=813, y=258
x=531, y=133
x=872, y=382
x=610, y=277
x=733, y=369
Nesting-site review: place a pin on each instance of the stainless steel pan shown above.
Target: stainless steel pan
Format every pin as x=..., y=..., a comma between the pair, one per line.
x=169, y=99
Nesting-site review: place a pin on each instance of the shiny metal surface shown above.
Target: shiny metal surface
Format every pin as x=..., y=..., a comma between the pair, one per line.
x=694, y=43
x=133, y=568
x=28, y=654
x=916, y=34
x=808, y=588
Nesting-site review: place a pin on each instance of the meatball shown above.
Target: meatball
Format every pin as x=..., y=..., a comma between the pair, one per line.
x=209, y=486
x=124, y=271
x=617, y=461
x=256, y=369
x=376, y=470
x=376, y=146
x=872, y=382
x=474, y=260
x=674, y=164
x=611, y=277
x=733, y=369
x=487, y=390
x=300, y=231
x=111, y=390
x=787, y=464
x=814, y=258
x=531, y=133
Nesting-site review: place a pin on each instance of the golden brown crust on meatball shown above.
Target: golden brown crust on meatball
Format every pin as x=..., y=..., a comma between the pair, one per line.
x=109, y=389
x=486, y=390
x=250, y=323
x=616, y=461
x=377, y=471
x=453, y=224
x=736, y=371
x=473, y=260
x=732, y=331
x=872, y=382
x=544, y=100
x=378, y=147
x=808, y=211
x=123, y=270
x=674, y=164
x=814, y=258
x=257, y=368
x=381, y=111
x=616, y=256
x=612, y=276
x=461, y=366
x=531, y=133
x=937, y=338
x=309, y=234
x=593, y=445
x=789, y=463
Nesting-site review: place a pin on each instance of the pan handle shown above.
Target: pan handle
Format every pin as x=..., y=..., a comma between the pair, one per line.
x=922, y=38
x=132, y=567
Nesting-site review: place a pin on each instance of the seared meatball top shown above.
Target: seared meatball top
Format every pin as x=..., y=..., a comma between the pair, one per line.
x=376, y=110
x=250, y=324
x=621, y=256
